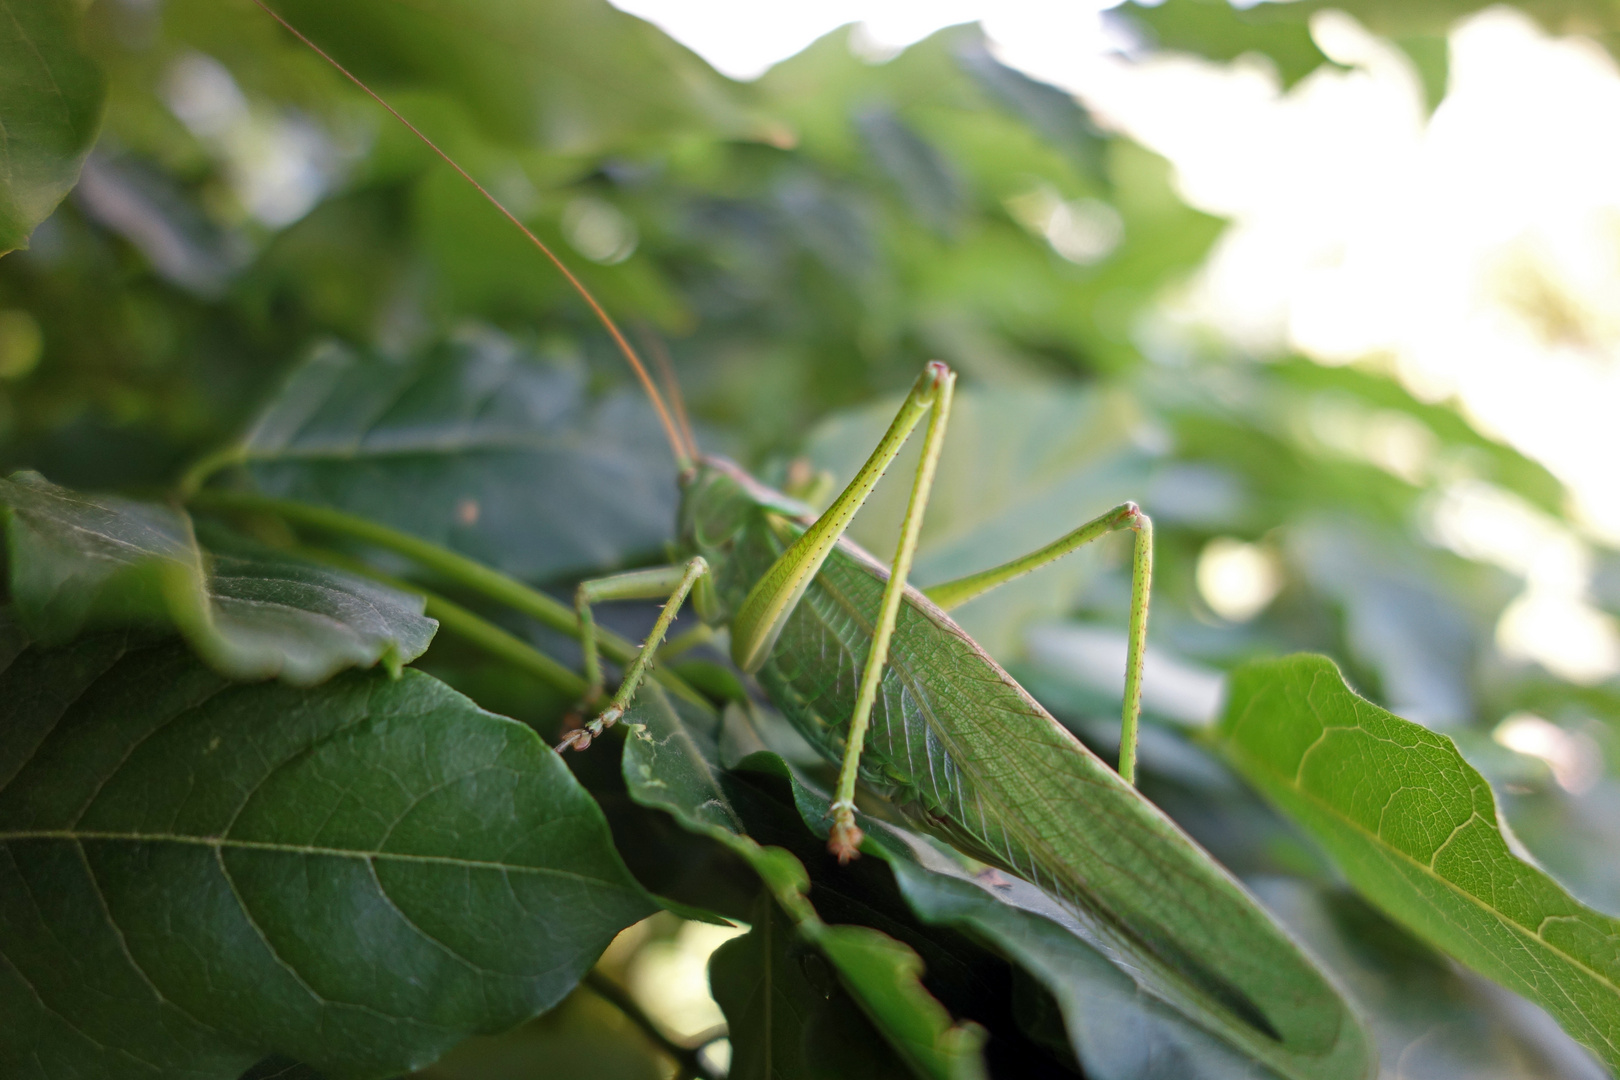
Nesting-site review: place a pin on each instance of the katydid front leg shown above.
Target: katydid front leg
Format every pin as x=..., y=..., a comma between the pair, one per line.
x=766, y=609
x=675, y=582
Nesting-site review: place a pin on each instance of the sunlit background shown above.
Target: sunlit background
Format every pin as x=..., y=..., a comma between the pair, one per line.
x=1462, y=238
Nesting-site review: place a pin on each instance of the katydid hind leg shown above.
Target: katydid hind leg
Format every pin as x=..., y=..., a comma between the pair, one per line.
x=673, y=582
x=1126, y=516
x=845, y=838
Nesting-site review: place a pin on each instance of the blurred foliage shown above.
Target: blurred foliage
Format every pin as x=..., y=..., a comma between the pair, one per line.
x=262, y=272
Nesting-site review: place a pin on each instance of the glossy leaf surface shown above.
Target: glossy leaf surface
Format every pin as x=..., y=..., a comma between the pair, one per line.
x=195, y=874
x=1414, y=827
x=79, y=562
x=476, y=446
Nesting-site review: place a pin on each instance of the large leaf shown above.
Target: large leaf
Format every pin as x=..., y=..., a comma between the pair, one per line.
x=670, y=765
x=196, y=874
x=476, y=446
x=80, y=561
x=1414, y=827
x=50, y=109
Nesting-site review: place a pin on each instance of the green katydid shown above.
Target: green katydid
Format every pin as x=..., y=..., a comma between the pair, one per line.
x=879, y=678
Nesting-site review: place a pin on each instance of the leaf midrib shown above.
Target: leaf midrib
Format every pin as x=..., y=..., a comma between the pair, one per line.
x=1381, y=844
x=224, y=843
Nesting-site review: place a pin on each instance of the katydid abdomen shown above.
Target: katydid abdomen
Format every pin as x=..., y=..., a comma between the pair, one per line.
x=967, y=752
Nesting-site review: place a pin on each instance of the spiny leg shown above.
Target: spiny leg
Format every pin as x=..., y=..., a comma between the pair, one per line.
x=845, y=839
x=952, y=594
x=675, y=582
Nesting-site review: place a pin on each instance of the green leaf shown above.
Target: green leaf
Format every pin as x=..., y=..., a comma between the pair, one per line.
x=671, y=765
x=51, y=96
x=197, y=874
x=79, y=562
x=1414, y=827
x=476, y=446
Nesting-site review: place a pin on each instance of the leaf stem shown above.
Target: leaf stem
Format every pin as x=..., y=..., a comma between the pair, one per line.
x=466, y=624
x=688, y=1061
x=466, y=572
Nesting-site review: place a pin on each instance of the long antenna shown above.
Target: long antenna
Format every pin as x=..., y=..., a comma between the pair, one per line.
x=683, y=459
x=666, y=375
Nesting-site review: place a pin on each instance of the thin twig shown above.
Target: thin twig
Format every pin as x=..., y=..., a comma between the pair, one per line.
x=688, y=1060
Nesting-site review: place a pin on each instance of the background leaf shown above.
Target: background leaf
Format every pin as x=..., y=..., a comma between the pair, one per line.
x=79, y=562
x=51, y=96
x=1415, y=828
x=356, y=876
x=476, y=445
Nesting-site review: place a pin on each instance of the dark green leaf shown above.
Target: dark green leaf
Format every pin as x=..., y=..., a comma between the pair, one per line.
x=789, y=1018
x=1414, y=827
x=476, y=446
x=50, y=109
x=197, y=874
x=670, y=765
x=79, y=562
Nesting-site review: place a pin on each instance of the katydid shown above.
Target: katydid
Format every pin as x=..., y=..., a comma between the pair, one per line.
x=876, y=675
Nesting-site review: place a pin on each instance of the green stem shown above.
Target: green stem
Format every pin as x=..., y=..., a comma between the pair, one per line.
x=687, y=1059
x=467, y=625
x=457, y=568
x=193, y=479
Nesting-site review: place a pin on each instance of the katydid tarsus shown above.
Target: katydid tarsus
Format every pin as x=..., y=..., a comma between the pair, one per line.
x=875, y=674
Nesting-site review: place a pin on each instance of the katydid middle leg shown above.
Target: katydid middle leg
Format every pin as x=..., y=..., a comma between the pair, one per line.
x=674, y=582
